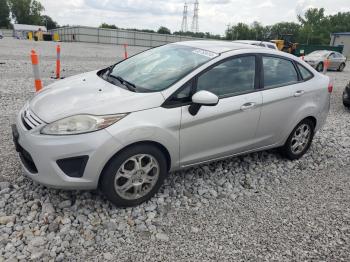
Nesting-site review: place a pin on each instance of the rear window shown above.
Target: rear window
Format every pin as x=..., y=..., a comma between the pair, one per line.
x=305, y=74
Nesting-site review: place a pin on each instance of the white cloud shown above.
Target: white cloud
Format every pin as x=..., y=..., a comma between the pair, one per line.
x=266, y=4
x=214, y=15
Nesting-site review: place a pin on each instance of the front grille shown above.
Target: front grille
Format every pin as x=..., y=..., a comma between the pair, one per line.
x=30, y=120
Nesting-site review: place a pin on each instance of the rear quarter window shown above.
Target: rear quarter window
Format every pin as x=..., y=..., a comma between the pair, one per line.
x=305, y=74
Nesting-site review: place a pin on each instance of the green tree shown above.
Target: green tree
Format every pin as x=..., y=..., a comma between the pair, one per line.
x=283, y=28
x=26, y=11
x=312, y=24
x=257, y=31
x=164, y=30
x=105, y=25
x=241, y=31
x=48, y=22
x=339, y=22
x=4, y=14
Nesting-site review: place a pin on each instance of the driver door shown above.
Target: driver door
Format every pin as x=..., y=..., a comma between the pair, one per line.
x=230, y=126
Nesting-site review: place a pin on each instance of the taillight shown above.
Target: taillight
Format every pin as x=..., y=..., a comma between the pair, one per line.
x=330, y=87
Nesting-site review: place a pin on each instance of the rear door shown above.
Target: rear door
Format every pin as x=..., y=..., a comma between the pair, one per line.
x=283, y=93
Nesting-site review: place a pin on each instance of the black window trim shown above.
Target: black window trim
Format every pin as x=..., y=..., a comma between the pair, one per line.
x=262, y=87
x=257, y=82
x=169, y=103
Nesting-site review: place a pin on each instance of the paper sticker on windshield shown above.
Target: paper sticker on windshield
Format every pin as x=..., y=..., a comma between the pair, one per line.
x=205, y=53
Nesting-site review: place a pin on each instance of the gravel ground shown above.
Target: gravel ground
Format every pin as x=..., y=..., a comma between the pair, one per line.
x=257, y=207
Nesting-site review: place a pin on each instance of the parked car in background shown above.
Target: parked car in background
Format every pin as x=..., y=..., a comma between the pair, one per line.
x=346, y=95
x=316, y=59
x=123, y=128
x=258, y=43
x=1, y=35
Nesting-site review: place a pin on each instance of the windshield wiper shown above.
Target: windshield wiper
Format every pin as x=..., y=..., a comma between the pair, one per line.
x=129, y=85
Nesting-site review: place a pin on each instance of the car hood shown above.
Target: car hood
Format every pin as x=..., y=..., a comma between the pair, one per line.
x=89, y=94
x=314, y=57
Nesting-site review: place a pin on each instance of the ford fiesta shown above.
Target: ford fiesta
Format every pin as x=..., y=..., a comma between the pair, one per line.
x=123, y=128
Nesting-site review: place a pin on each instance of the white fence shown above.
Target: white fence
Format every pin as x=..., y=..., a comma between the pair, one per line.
x=116, y=36
x=7, y=32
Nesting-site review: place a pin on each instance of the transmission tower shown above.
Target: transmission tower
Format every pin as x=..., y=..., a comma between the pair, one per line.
x=194, y=27
x=184, y=19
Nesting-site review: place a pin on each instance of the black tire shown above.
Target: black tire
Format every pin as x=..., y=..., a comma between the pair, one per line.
x=319, y=67
x=287, y=151
x=341, y=67
x=110, y=171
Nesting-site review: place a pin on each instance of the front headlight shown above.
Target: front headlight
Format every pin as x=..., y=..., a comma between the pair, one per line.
x=80, y=124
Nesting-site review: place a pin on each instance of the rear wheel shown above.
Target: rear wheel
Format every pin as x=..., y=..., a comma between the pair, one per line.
x=341, y=67
x=319, y=67
x=134, y=175
x=299, y=140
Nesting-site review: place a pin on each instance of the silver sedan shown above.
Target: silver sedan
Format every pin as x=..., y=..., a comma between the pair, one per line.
x=123, y=128
x=316, y=59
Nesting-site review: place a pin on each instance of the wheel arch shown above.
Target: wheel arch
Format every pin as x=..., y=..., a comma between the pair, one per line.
x=312, y=118
x=294, y=124
x=145, y=142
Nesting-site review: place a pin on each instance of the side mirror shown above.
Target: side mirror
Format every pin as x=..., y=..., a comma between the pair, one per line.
x=202, y=98
x=205, y=98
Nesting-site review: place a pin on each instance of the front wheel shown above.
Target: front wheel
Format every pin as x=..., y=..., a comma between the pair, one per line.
x=299, y=140
x=341, y=67
x=134, y=175
x=319, y=67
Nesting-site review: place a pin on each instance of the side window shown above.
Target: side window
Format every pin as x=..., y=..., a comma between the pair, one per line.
x=278, y=72
x=271, y=46
x=233, y=76
x=305, y=74
x=332, y=55
x=338, y=55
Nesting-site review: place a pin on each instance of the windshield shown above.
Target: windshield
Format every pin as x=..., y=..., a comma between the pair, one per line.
x=158, y=68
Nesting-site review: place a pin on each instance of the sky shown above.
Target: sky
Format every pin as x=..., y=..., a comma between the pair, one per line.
x=214, y=15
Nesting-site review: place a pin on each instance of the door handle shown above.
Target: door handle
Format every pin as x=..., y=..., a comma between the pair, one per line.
x=248, y=106
x=299, y=93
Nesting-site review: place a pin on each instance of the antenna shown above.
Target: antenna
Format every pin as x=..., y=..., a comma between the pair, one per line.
x=195, y=27
x=184, y=19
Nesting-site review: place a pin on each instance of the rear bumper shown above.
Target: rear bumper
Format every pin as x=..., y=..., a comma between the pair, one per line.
x=322, y=116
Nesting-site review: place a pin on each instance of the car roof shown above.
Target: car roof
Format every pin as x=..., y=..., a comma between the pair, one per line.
x=253, y=42
x=217, y=46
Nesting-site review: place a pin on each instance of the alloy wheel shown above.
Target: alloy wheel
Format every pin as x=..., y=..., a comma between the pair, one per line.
x=136, y=176
x=320, y=67
x=300, y=139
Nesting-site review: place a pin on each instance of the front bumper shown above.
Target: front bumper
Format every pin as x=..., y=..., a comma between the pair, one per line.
x=313, y=63
x=44, y=151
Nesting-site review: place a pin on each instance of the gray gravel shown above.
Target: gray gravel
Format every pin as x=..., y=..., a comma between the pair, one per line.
x=254, y=207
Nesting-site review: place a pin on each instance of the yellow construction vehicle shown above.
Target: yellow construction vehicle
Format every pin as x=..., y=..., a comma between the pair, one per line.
x=286, y=44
